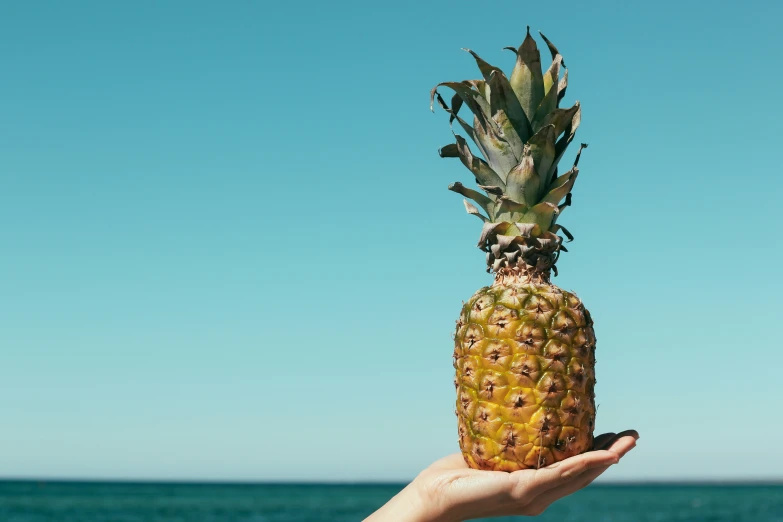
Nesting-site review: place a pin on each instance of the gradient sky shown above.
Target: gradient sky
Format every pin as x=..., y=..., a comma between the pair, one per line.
x=228, y=251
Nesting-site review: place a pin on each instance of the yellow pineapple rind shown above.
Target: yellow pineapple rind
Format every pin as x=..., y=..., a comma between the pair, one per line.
x=525, y=373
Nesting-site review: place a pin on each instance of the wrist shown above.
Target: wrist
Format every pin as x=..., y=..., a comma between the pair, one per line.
x=412, y=504
x=432, y=507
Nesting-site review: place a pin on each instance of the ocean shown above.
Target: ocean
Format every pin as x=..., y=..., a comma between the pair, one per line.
x=159, y=502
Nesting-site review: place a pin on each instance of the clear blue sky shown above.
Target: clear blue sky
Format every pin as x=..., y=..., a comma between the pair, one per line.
x=228, y=251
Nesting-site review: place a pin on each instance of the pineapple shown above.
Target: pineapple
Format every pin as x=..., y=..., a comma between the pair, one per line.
x=524, y=349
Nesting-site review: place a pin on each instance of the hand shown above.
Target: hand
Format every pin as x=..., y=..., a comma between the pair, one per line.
x=450, y=491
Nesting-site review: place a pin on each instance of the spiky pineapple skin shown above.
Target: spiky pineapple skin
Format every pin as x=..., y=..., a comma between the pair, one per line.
x=525, y=375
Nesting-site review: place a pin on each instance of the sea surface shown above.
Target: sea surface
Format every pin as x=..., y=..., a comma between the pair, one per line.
x=151, y=502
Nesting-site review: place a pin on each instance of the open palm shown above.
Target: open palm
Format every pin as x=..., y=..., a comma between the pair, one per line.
x=454, y=492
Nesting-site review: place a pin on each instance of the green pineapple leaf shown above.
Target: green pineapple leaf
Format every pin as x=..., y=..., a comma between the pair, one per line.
x=483, y=173
x=485, y=68
x=560, y=118
x=568, y=136
x=502, y=97
x=549, y=102
x=509, y=210
x=561, y=87
x=483, y=201
x=456, y=104
x=523, y=181
x=496, y=150
x=503, y=100
x=527, y=79
x=492, y=190
x=564, y=230
x=552, y=49
x=475, y=101
x=473, y=210
x=557, y=193
x=449, y=151
x=542, y=149
x=542, y=214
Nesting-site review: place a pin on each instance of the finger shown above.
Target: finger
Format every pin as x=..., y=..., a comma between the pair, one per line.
x=604, y=440
x=629, y=433
x=622, y=446
x=607, y=439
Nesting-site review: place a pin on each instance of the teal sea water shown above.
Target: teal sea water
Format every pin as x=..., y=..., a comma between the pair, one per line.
x=132, y=502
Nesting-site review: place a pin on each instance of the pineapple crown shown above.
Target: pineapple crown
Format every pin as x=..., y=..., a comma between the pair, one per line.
x=522, y=133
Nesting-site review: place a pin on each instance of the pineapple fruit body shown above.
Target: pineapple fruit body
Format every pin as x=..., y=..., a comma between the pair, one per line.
x=524, y=356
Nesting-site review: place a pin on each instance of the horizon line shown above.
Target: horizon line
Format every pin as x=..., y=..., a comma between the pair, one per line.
x=368, y=482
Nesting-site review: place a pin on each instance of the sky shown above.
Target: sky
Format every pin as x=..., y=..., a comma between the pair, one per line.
x=228, y=251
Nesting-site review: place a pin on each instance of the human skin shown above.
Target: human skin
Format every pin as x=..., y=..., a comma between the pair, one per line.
x=450, y=491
